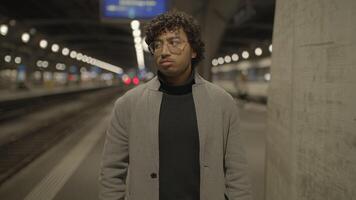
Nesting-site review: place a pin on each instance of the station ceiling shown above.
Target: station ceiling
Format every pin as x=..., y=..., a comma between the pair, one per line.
x=77, y=25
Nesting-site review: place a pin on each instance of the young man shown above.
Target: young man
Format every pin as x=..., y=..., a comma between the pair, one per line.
x=175, y=137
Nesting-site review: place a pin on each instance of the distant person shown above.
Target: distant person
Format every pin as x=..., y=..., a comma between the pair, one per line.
x=175, y=137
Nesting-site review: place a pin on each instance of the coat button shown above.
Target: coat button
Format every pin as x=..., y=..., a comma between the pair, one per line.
x=153, y=175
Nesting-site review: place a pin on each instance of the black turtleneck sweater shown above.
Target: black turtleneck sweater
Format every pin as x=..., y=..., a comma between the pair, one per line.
x=179, y=166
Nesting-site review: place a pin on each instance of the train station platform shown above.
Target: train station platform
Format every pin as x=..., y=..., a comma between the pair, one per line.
x=69, y=170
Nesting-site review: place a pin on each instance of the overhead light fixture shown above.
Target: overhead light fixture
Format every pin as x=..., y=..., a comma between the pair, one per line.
x=221, y=60
x=136, y=33
x=214, y=62
x=4, y=29
x=7, y=58
x=12, y=22
x=227, y=59
x=43, y=44
x=137, y=40
x=55, y=47
x=18, y=60
x=25, y=37
x=45, y=64
x=39, y=63
x=65, y=51
x=135, y=24
x=245, y=55
x=258, y=51
x=79, y=56
x=270, y=48
x=33, y=31
x=73, y=54
x=235, y=57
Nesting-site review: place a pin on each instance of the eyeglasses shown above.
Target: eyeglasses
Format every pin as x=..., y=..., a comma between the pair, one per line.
x=175, y=46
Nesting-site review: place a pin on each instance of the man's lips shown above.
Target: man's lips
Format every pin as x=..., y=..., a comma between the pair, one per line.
x=166, y=62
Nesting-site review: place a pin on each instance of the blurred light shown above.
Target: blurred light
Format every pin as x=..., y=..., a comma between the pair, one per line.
x=73, y=54
x=107, y=66
x=4, y=29
x=60, y=66
x=221, y=60
x=245, y=54
x=270, y=48
x=18, y=60
x=37, y=75
x=258, y=51
x=79, y=56
x=135, y=24
x=137, y=40
x=136, y=33
x=85, y=58
x=43, y=44
x=268, y=77
x=25, y=37
x=7, y=58
x=33, y=31
x=12, y=22
x=55, y=47
x=227, y=59
x=215, y=62
x=235, y=57
x=45, y=64
x=136, y=81
x=126, y=79
x=65, y=51
x=138, y=46
x=83, y=70
x=90, y=59
x=39, y=63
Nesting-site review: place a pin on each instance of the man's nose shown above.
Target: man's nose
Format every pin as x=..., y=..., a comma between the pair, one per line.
x=165, y=51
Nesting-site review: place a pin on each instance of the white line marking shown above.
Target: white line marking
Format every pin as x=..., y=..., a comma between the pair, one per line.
x=50, y=185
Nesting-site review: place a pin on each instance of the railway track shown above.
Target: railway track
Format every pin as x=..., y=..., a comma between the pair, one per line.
x=17, y=154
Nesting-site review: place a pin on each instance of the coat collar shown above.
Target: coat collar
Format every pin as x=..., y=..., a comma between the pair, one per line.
x=154, y=84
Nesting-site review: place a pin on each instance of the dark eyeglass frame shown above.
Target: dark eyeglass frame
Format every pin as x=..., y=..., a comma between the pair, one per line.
x=173, y=48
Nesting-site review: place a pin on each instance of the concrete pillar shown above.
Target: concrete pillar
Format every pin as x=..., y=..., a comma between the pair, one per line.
x=311, y=140
x=217, y=15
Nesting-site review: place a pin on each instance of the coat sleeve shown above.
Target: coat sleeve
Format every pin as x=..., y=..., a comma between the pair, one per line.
x=237, y=181
x=115, y=158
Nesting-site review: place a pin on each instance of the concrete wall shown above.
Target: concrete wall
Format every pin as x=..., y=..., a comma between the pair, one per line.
x=311, y=140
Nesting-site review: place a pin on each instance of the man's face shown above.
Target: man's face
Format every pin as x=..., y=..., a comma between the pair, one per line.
x=174, y=53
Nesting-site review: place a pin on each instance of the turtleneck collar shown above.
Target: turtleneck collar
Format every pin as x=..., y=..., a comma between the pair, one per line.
x=176, y=90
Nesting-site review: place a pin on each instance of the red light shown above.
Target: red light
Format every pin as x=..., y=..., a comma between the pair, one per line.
x=136, y=81
x=127, y=80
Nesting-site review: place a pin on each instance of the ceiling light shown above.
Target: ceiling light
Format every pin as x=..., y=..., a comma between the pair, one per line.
x=4, y=29
x=235, y=57
x=43, y=44
x=135, y=24
x=245, y=54
x=55, y=47
x=258, y=51
x=25, y=37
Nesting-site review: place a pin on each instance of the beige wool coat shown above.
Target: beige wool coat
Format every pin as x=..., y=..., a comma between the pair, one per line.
x=132, y=144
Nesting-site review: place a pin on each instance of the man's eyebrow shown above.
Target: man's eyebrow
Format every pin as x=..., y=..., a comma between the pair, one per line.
x=169, y=38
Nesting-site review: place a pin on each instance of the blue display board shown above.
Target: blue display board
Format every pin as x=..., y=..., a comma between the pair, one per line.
x=132, y=9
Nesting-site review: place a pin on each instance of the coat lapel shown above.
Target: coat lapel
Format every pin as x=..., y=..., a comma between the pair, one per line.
x=202, y=119
x=153, y=107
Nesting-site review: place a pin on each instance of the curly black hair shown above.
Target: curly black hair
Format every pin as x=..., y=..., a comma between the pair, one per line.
x=174, y=20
